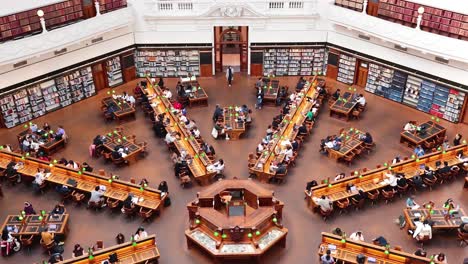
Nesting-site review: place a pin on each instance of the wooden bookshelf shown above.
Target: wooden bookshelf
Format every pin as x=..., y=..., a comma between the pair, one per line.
x=38, y=99
x=110, y=5
x=293, y=61
x=351, y=4
x=167, y=62
x=27, y=22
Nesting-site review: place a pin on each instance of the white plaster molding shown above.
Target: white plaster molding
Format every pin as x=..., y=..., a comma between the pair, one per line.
x=34, y=46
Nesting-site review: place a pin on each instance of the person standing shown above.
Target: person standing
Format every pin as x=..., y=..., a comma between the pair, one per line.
x=230, y=75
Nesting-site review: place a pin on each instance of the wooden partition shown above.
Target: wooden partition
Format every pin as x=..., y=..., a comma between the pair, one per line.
x=347, y=250
x=143, y=251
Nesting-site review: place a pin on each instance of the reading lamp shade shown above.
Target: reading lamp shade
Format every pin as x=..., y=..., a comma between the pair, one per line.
x=40, y=13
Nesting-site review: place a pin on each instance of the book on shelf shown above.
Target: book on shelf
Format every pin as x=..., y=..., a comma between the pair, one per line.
x=37, y=100
x=167, y=63
x=114, y=72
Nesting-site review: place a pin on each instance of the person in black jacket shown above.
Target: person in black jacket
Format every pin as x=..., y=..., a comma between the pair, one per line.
x=401, y=180
x=163, y=187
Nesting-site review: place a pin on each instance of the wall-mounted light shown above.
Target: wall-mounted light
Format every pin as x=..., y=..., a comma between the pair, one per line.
x=40, y=14
x=418, y=21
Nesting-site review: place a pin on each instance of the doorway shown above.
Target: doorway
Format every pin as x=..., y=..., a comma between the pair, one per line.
x=231, y=48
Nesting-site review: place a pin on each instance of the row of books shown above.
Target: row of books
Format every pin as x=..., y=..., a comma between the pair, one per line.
x=167, y=63
x=294, y=61
x=39, y=99
x=424, y=95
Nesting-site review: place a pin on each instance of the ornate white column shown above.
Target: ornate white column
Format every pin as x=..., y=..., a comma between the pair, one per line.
x=213, y=53
x=364, y=7
x=40, y=13
x=418, y=21
x=248, y=48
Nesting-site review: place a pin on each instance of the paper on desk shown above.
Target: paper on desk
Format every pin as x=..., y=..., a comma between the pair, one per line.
x=371, y=260
x=134, y=199
x=47, y=175
x=417, y=214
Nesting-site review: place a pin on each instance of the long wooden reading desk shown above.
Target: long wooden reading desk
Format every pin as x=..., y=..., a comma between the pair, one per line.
x=427, y=132
x=84, y=181
x=373, y=179
x=347, y=251
x=235, y=219
x=343, y=106
x=296, y=117
x=35, y=224
x=200, y=161
x=140, y=251
x=123, y=109
x=436, y=216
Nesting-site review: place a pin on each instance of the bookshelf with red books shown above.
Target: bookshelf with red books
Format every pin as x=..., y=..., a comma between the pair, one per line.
x=109, y=5
x=27, y=22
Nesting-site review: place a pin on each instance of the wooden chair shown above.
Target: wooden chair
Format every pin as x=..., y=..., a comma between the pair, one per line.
x=369, y=147
x=26, y=242
x=388, y=195
x=343, y=204
x=47, y=248
x=430, y=183
x=373, y=196
x=107, y=156
x=132, y=180
x=119, y=162
x=13, y=180
x=144, y=148
x=402, y=190
x=94, y=205
x=112, y=203
x=462, y=237
x=185, y=180
x=358, y=204
x=77, y=197
x=349, y=158
x=145, y=214
x=108, y=116
x=429, y=144
x=455, y=171
x=356, y=114
x=325, y=214
x=280, y=177
x=445, y=177
x=129, y=212
x=99, y=245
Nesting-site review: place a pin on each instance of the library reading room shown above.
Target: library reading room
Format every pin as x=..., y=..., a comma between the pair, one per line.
x=234, y=132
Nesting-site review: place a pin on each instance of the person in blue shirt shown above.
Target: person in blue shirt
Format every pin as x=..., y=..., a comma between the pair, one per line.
x=419, y=151
x=410, y=203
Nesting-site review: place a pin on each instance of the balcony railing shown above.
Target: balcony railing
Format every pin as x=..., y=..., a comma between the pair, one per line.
x=192, y=8
x=13, y=51
x=412, y=38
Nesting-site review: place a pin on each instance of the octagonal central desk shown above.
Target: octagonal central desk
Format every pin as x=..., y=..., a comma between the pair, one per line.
x=235, y=219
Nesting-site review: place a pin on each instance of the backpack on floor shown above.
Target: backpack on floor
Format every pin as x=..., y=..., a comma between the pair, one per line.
x=167, y=202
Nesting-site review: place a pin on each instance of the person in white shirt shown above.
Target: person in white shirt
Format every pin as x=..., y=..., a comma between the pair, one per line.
x=167, y=94
x=97, y=196
x=357, y=236
x=423, y=230
x=183, y=118
x=292, y=97
x=219, y=166
x=122, y=152
x=410, y=127
x=131, y=100
x=324, y=203
x=391, y=179
x=260, y=148
x=124, y=96
x=288, y=152
x=190, y=124
x=140, y=234
x=196, y=132
x=361, y=100
x=170, y=137
x=38, y=179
